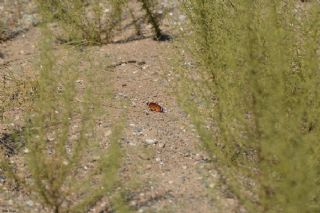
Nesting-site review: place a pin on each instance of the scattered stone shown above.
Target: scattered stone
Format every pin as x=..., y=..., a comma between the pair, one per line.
x=151, y=141
x=162, y=145
x=187, y=155
x=133, y=203
x=198, y=157
x=108, y=133
x=2, y=179
x=182, y=18
x=29, y=20
x=29, y=203
x=96, y=158
x=138, y=131
x=10, y=202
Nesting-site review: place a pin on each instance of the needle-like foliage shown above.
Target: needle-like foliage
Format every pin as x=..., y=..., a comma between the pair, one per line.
x=69, y=165
x=256, y=97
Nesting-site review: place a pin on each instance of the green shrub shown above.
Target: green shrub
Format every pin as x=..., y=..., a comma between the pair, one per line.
x=85, y=22
x=256, y=100
x=67, y=165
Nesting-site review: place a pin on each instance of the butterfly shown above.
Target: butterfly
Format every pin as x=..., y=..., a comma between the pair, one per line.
x=155, y=107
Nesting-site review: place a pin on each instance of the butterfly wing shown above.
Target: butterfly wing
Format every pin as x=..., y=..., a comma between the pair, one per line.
x=154, y=107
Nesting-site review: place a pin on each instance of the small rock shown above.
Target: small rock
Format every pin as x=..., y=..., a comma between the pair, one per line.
x=29, y=203
x=133, y=203
x=162, y=145
x=10, y=202
x=2, y=179
x=151, y=141
x=138, y=131
x=198, y=157
x=96, y=158
x=29, y=20
x=108, y=133
x=182, y=18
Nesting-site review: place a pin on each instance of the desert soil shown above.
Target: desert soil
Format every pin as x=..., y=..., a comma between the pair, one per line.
x=164, y=168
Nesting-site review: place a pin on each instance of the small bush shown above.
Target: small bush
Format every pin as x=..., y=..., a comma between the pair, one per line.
x=86, y=22
x=256, y=100
x=67, y=165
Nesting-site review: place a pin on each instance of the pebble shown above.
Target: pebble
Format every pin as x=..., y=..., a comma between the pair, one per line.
x=108, y=133
x=2, y=179
x=137, y=131
x=182, y=18
x=29, y=203
x=162, y=145
x=151, y=141
x=198, y=157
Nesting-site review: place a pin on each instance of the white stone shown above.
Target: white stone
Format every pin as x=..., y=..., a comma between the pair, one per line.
x=151, y=141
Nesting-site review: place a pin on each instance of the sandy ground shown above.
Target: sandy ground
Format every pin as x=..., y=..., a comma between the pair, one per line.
x=164, y=168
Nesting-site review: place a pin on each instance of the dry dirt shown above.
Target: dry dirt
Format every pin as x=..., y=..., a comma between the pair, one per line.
x=164, y=168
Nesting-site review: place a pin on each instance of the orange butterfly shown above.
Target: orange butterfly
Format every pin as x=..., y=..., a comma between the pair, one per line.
x=155, y=107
